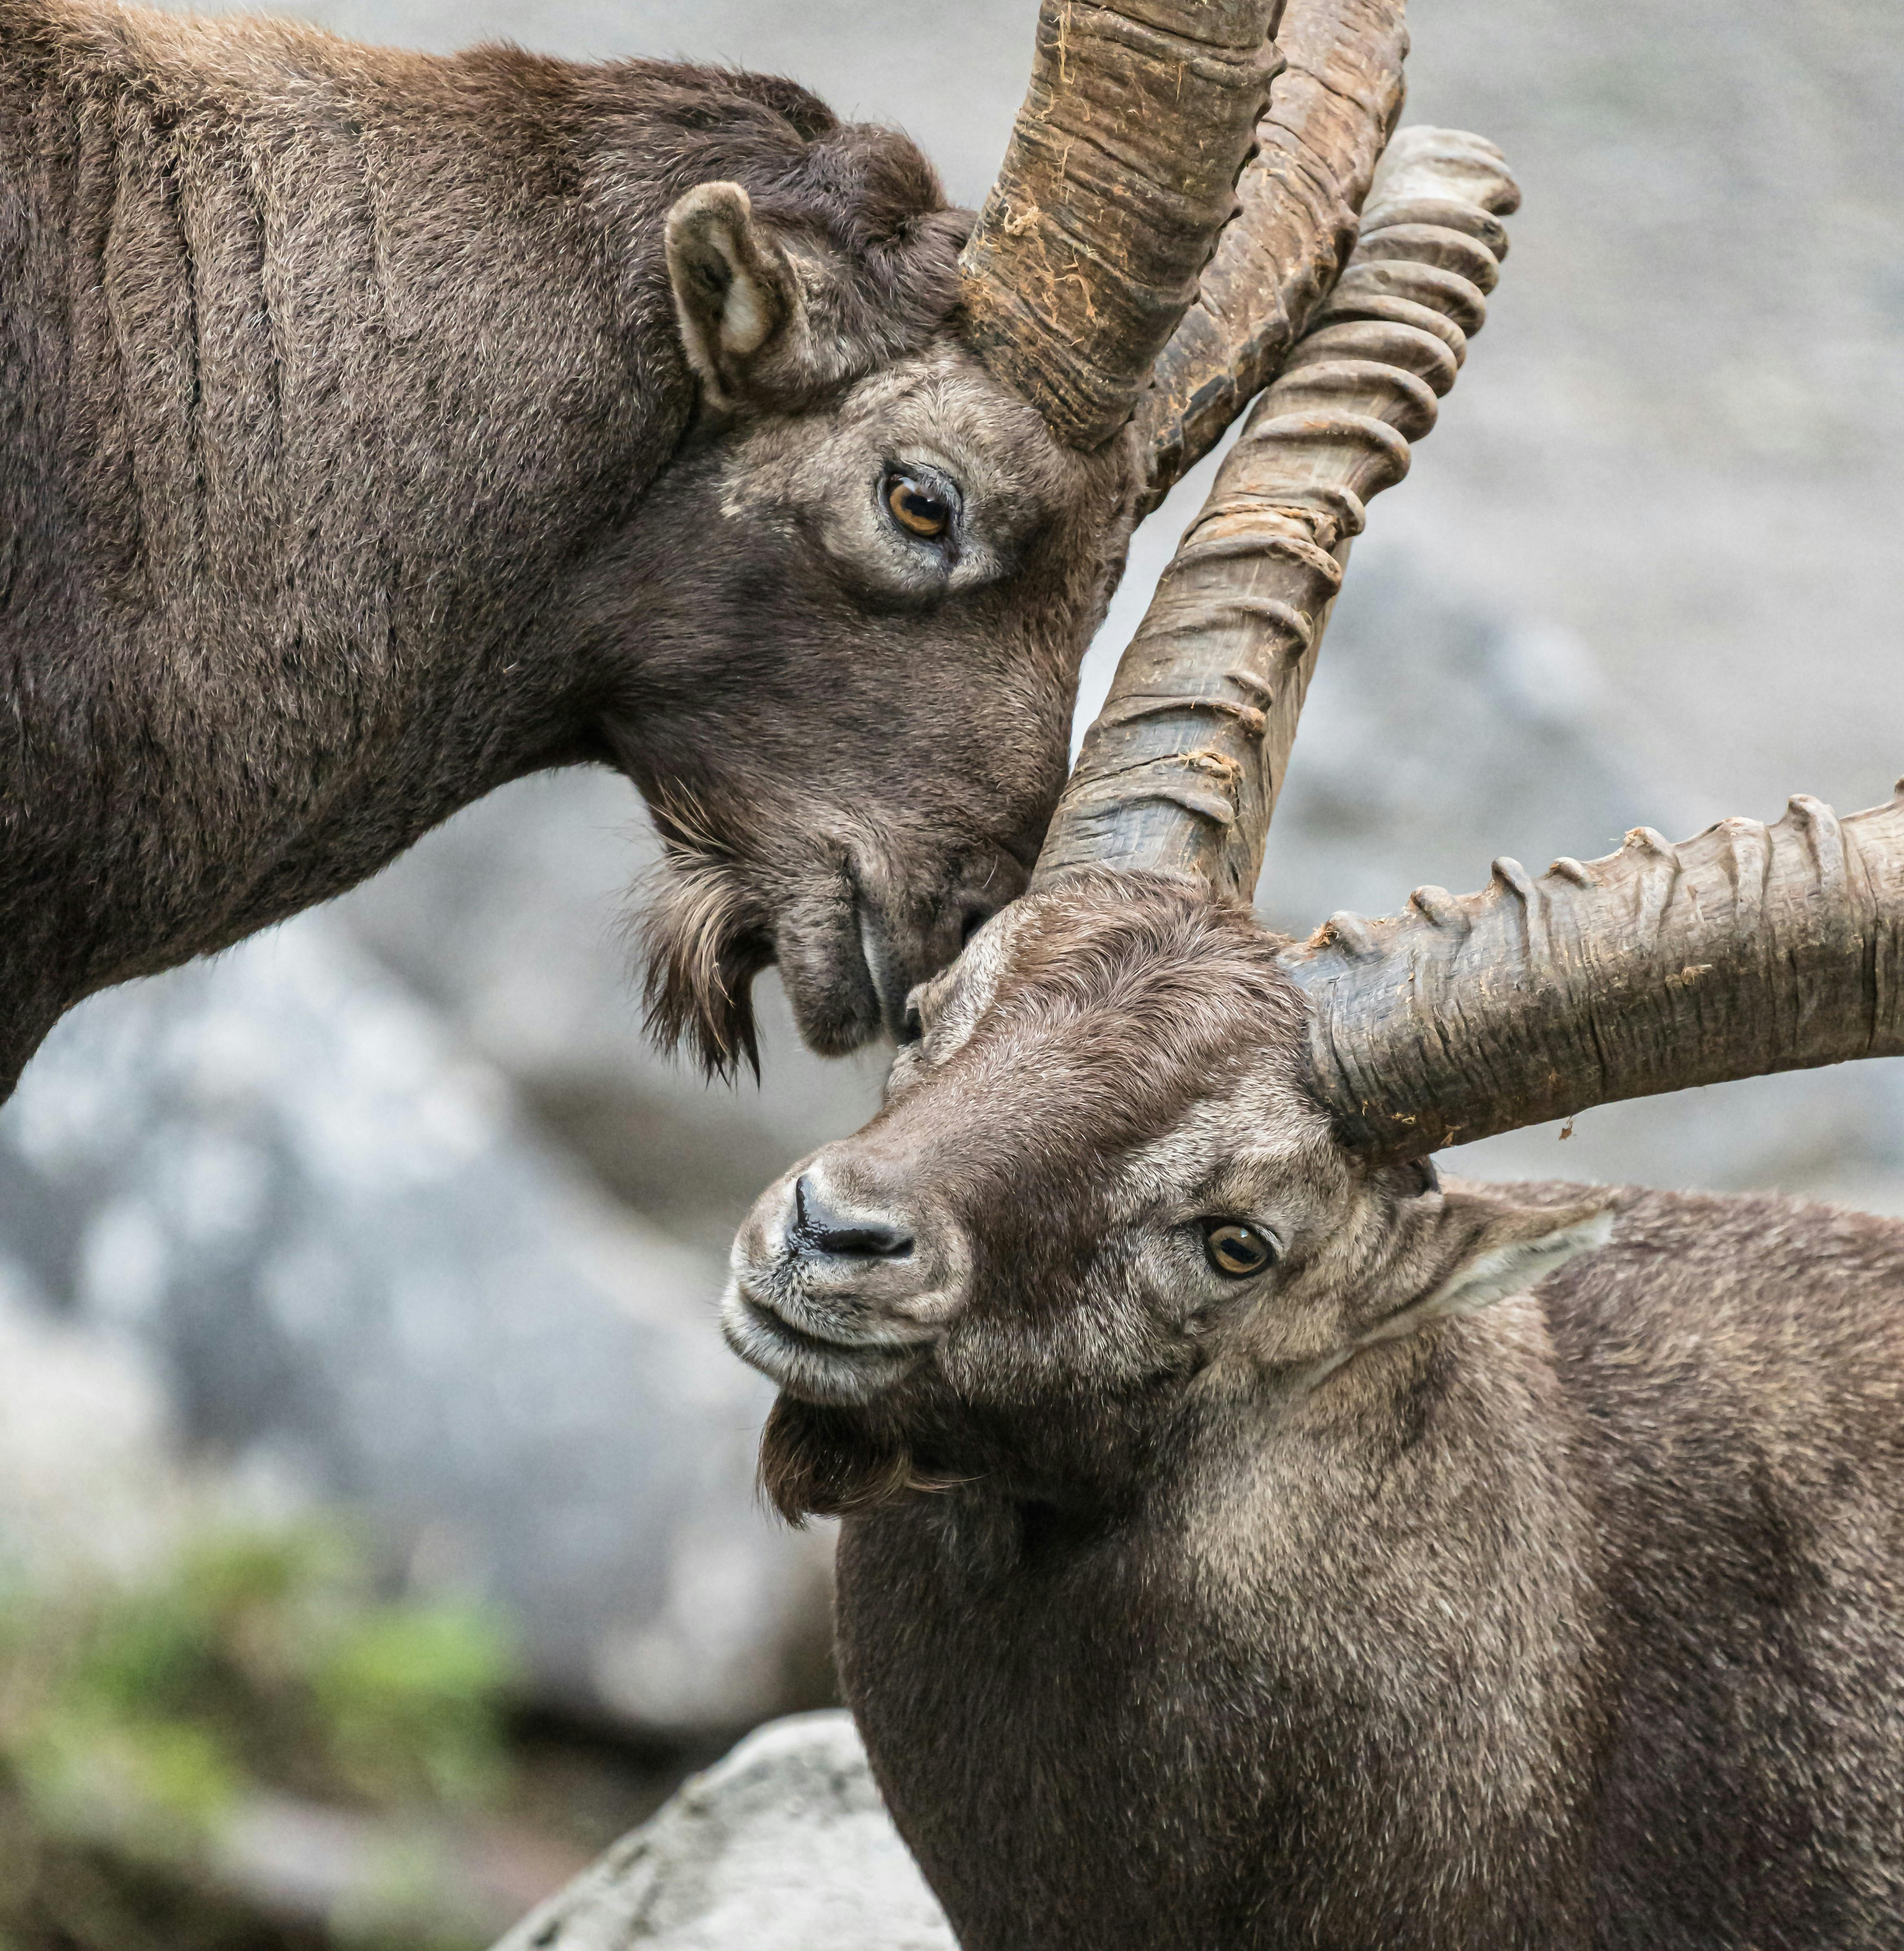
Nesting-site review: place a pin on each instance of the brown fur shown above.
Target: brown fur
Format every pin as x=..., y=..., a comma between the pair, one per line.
x=352, y=463
x=1398, y=1597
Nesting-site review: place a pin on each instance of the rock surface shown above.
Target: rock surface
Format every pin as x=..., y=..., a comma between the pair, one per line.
x=280, y=1185
x=783, y=1846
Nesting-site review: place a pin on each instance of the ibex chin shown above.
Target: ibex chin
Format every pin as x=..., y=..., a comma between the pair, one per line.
x=376, y=429
x=1252, y=1543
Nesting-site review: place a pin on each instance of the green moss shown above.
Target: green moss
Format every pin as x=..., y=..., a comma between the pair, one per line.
x=407, y=1698
x=136, y=1719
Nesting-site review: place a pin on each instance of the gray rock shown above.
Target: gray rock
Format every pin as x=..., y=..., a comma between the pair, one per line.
x=785, y=1846
x=363, y=1275
x=90, y=1479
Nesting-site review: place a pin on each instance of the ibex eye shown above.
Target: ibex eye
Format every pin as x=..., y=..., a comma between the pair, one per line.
x=1236, y=1251
x=917, y=507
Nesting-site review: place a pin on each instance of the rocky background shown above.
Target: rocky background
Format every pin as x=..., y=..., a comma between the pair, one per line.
x=375, y=1513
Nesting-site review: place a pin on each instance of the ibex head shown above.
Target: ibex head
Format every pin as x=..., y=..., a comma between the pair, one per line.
x=923, y=440
x=1140, y=1152
x=1103, y=1189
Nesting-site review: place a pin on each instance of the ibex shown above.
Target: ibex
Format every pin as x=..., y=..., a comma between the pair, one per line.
x=1251, y=1543
x=376, y=429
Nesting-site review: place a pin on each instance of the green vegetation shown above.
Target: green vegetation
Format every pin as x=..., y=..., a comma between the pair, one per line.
x=143, y=1726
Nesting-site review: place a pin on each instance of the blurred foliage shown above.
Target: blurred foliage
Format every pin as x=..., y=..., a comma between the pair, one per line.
x=141, y=1723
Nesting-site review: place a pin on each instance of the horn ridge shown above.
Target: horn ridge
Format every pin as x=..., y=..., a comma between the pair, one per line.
x=1747, y=949
x=1332, y=431
x=1121, y=171
x=1332, y=110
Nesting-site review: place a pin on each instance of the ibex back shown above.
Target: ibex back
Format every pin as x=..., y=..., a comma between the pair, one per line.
x=1252, y=1544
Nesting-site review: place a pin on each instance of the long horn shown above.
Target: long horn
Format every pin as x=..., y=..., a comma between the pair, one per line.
x=1121, y=171
x=1330, y=112
x=1180, y=772
x=1748, y=949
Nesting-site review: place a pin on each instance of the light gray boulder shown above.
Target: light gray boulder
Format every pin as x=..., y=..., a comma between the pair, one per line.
x=323, y=1221
x=783, y=1846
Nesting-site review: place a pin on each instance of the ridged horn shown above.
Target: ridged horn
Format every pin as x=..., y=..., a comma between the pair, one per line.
x=1748, y=949
x=1121, y=171
x=1330, y=111
x=1180, y=772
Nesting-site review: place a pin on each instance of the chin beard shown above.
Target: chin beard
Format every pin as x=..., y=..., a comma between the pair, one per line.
x=825, y=1463
x=702, y=942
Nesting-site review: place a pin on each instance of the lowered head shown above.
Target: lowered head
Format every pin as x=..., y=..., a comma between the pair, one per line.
x=843, y=627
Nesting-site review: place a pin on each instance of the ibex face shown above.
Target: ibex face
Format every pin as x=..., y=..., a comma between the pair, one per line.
x=854, y=611
x=1101, y=1181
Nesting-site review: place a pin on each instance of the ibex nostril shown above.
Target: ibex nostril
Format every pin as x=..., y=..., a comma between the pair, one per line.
x=819, y=1228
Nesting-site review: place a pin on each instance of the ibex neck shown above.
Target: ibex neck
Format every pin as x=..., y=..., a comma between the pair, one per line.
x=322, y=367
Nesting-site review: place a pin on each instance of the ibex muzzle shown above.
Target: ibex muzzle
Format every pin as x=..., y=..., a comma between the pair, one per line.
x=846, y=1274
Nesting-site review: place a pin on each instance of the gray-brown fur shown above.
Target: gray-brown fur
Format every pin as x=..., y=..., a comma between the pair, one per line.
x=351, y=464
x=1460, y=1582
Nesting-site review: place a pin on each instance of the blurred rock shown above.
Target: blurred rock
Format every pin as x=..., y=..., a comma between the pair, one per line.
x=317, y=1863
x=363, y=1277
x=785, y=1846
x=1438, y=734
x=89, y=1479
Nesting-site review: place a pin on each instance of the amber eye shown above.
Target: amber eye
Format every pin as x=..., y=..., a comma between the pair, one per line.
x=917, y=509
x=1236, y=1251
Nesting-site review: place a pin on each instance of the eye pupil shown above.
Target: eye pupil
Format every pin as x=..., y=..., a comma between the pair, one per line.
x=917, y=508
x=1237, y=1249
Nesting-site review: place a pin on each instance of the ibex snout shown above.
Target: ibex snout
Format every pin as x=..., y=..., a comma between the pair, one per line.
x=842, y=1281
x=822, y=1231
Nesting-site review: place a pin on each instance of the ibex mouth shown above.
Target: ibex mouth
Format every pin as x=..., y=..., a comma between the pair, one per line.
x=816, y=1368
x=890, y=993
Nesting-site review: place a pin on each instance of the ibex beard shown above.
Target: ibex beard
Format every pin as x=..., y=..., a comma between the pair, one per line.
x=850, y=911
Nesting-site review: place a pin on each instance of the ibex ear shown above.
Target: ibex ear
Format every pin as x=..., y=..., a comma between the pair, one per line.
x=735, y=289
x=1488, y=1247
x=1508, y=1247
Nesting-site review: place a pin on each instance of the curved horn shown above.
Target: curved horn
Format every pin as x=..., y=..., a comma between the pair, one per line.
x=1180, y=772
x=1121, y=171
x=1748, y=949
x=1330, y=112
